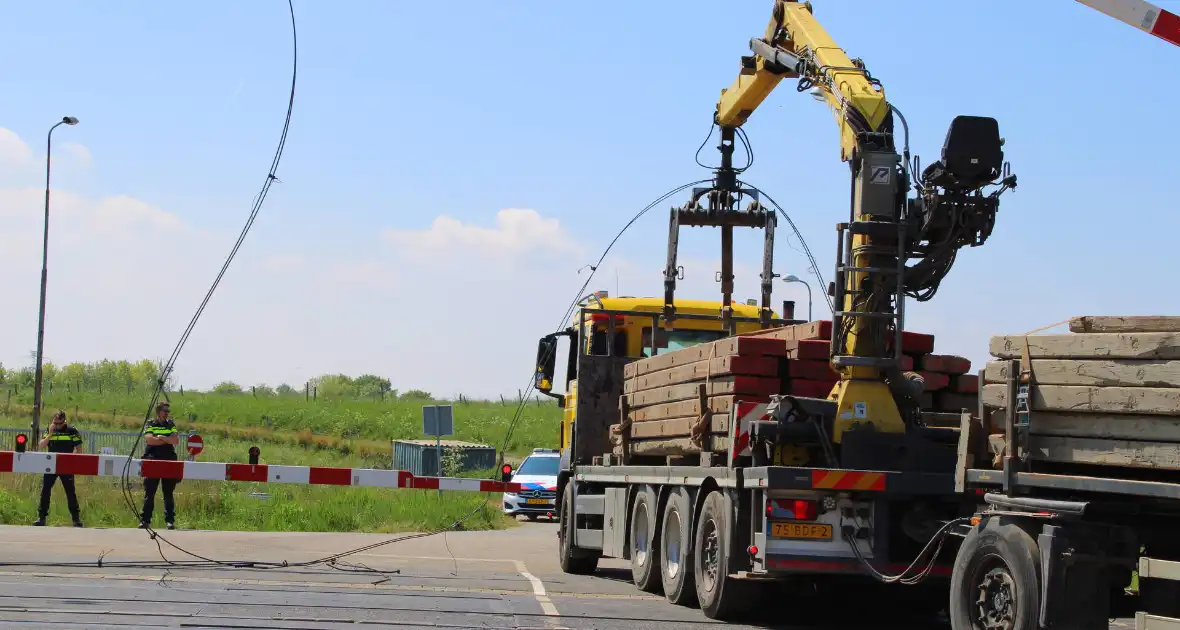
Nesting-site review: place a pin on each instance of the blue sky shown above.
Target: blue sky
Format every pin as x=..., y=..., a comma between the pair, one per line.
x=581, y=113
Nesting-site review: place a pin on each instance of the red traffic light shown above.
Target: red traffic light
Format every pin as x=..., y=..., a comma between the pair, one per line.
x=507, y=469
x=21, y=438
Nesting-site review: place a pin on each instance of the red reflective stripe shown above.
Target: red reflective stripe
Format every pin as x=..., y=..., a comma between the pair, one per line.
x=879, y=484
x=1167, y=27
x=162, y=469
x=745, y=408
x=405, y=479
x=426, y=483
x=245, y=472
x=848, y=481
x=330, y=476
x=499, y=486
x=6, y=458
x=77, y=464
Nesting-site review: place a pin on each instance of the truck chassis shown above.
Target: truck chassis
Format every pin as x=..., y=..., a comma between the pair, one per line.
x=1013, y=550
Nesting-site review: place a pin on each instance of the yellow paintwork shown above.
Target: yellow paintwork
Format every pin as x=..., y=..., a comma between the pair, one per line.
x=793, y=28
x=635, y=324
x=842, y=84
x=567, y=414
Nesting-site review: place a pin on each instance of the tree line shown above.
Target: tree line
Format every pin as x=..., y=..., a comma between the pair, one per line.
x=114, y=376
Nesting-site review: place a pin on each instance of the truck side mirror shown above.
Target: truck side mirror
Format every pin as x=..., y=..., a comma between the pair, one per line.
x=546, y=363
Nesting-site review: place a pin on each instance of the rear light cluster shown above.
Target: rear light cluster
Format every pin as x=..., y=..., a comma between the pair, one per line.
x=796, y=509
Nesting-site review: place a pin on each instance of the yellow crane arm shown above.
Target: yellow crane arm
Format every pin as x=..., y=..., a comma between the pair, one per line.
x=796, y=45
x=886, y=229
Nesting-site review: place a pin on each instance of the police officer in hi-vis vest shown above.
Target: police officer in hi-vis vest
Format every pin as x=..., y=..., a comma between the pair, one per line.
x=161, y=437
x=59, y=438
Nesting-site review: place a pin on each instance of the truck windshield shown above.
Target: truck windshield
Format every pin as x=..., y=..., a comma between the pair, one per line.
x=677, y=339
x=543, y=466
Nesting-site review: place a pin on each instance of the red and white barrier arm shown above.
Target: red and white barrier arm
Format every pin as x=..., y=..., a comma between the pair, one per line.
x=1144, y=16
x=113, y=465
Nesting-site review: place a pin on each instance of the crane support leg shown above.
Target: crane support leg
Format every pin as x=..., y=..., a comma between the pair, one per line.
x=726, y=275
x=767, y=268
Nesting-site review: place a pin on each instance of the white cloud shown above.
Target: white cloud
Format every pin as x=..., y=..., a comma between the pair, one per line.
x=516, y=232
x=79, y=154
x=13, y=150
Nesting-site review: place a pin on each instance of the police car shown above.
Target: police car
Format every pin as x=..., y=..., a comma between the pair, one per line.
x=537, y=477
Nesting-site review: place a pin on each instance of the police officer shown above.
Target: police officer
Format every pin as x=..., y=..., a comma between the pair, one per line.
x=59, y=438
x=161, y=437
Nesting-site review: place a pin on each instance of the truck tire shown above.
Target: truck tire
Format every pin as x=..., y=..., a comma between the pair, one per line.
x=572, y=559
x=996, y=580
x=645, y=541
x=718, y=594
x=676, y=553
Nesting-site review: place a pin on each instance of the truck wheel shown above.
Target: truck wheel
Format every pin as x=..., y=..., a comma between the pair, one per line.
x=676, y=554
x=572, y=559
x=645, y=541
x=717, y=593
x=996, y=580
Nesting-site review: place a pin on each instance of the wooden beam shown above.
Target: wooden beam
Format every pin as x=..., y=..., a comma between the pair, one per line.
x=676, y=427
x=732, y=346
x=685, y=408
x=1159, y=455
x=672, y=447
x=700, y=370
x=1126, y=324
x=1137, y=400
x=1089, y=346
x=944, y=363
x=1095, y=372
x=752, y=388
x=1106, y=426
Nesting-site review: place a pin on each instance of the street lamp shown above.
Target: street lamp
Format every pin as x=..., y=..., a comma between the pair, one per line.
x=794, y=278
x=66, y=120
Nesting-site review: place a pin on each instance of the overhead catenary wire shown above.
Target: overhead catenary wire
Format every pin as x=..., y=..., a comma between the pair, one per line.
x=578, y=297
x=166, y=368
x=814, y=269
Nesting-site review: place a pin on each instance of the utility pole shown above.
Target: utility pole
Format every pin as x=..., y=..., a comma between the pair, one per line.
x=68, y=120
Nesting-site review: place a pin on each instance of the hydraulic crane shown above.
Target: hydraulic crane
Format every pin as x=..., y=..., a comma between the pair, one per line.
x=886, y=229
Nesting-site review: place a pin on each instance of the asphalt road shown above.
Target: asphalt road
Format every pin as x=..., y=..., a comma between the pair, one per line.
x=506, y=579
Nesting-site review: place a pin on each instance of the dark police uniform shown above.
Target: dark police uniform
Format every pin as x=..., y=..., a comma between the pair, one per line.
x=63, y=440
x=163, y=428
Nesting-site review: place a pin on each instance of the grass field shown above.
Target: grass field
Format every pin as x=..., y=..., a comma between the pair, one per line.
x=347, y=426
x=236, y=506
x=289, y=430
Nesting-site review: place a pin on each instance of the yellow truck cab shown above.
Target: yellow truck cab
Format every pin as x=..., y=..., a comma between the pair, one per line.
x=622, y=327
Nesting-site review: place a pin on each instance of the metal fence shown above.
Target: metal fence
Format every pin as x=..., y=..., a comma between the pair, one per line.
x=93, y=441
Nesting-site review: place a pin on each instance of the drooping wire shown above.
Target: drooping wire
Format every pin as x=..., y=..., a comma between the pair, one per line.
x=167, y=366
x=806, y=250
x=578, y=298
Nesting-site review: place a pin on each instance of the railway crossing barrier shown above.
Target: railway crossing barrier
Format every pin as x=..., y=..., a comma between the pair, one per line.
x=113, y=465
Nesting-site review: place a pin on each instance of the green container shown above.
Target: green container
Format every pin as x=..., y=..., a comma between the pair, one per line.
x=421, y=457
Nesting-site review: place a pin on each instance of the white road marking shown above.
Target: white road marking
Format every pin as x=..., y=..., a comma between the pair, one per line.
x=539, y=593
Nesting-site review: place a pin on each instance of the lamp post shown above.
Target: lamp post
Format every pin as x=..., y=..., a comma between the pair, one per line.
x=67, y=120
x=793, y=278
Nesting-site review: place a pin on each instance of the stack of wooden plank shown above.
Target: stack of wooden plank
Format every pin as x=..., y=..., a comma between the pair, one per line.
x=669, y=395
x=948, y=385
x=665, y=406
x=1107, y=393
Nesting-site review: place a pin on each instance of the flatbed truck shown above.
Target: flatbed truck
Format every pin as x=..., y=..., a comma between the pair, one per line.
x=994, y=547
